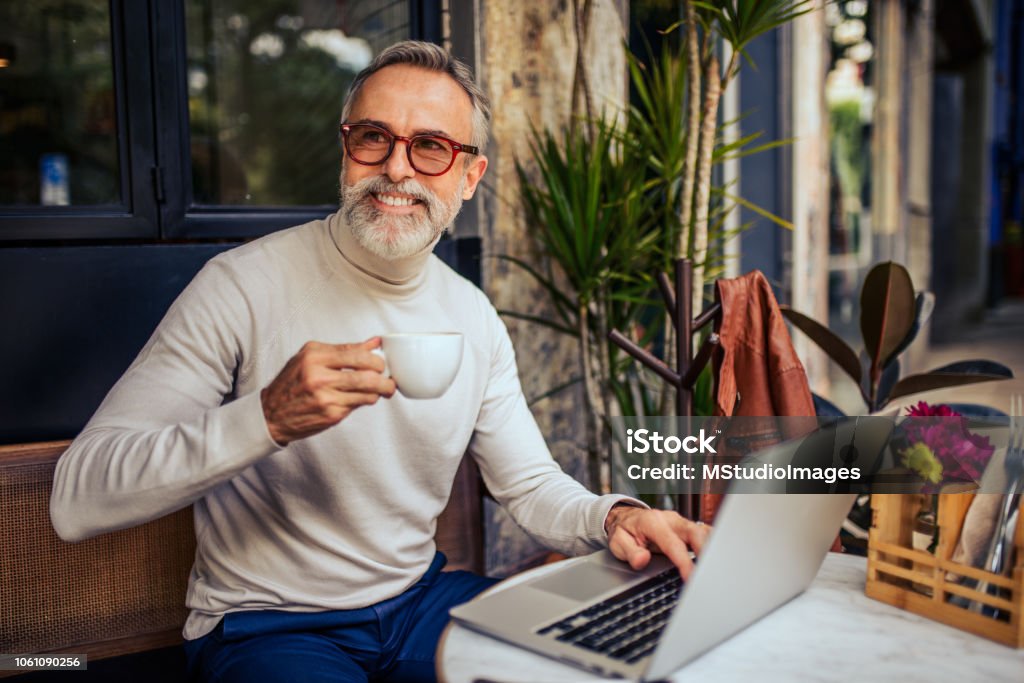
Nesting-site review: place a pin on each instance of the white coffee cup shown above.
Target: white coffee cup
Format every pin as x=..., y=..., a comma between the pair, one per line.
x=423, y=364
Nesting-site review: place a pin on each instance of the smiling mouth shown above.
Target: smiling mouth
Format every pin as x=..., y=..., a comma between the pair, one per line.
x=396, y=200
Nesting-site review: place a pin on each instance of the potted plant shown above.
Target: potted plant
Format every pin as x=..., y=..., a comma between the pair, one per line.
x=613, y=203
x=891, y=316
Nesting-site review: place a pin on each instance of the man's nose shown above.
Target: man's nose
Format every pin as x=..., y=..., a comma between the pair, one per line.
x=397, y=166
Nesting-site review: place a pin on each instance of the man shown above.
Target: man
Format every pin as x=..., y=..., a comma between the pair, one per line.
x=315, y=500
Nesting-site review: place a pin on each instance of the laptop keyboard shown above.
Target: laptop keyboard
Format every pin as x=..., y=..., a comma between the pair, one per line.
x=626, y=626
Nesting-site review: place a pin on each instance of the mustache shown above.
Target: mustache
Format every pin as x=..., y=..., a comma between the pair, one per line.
x=381, y=184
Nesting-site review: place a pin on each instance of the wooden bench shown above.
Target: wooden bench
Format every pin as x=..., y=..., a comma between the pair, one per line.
x=123, y=593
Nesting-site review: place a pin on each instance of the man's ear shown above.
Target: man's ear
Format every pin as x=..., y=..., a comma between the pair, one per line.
x=474, y=173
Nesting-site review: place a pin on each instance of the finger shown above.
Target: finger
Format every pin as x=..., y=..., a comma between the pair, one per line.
x=342, y=403
x=363, y=381
x=369, y=344
x=626, y=547
x=338, y=356
x=669, y=539
x=698, y=536
x=353, y=357
x=365, y=345
x=350, y=400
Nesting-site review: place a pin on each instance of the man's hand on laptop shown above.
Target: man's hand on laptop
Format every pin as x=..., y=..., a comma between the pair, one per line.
x=634, y=533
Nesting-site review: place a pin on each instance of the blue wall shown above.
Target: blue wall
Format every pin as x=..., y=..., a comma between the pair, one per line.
x=764, y=177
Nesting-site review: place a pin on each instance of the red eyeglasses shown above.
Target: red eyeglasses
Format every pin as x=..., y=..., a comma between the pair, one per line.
x=371, y=145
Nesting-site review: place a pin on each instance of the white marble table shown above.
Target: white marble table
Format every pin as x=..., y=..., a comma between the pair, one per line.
x=833, y=632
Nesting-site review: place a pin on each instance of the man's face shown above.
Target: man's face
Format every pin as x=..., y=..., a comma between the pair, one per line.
x=392, y=210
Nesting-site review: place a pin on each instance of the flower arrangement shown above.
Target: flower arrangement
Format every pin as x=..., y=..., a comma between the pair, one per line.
x=940, y=447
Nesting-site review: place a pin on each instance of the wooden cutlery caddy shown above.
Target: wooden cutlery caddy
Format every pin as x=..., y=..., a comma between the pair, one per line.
x=917, y=580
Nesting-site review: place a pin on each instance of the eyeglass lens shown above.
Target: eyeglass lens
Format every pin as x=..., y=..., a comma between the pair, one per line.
x=371, y=145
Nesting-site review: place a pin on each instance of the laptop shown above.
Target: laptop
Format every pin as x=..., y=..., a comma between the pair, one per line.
x=598, y=614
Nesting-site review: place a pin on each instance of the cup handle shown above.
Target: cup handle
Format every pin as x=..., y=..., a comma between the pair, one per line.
x=380, y=352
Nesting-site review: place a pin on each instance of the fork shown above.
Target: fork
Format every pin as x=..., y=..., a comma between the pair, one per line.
x=1002, y=536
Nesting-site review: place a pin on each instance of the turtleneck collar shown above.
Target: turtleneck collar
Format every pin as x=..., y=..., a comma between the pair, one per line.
x=399, y=273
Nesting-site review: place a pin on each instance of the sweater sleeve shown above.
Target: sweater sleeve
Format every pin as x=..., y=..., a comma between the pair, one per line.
x=170, y=429
x=518, y=468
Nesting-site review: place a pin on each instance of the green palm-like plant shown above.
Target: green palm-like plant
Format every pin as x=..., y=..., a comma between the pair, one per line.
x=612, y=204
x=737, y=23
x=663, y=87
x=602, y=201
x=587, y=206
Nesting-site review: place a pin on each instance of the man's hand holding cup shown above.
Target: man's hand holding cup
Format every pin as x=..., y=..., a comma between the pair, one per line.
x=323, y=383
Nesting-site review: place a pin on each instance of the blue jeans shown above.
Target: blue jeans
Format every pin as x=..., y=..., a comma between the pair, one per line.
x=393, y=640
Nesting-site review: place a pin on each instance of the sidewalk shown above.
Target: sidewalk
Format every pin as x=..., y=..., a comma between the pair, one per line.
x=999, y=336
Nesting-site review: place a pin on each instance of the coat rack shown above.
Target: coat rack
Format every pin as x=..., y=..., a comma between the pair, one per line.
x=679, y=306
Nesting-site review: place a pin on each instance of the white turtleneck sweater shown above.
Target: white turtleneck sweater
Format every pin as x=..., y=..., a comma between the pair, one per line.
x=342, y=519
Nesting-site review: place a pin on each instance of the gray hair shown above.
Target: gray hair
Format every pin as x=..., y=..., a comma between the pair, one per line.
x=434, y=58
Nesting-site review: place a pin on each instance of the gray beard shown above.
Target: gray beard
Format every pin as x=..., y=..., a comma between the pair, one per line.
x=396, y=237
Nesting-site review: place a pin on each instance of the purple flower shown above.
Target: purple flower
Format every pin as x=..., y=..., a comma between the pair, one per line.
x=962, y=454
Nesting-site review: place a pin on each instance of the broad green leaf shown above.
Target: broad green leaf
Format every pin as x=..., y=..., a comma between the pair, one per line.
x=830, y=343
x=887, y=312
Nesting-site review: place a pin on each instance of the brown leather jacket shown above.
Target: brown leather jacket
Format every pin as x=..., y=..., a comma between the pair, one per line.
x=757, y=372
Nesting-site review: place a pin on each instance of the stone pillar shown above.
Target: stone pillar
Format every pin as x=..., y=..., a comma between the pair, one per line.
x=810, y=185
x=887, y=180
x=920, y=37
x=526, y=59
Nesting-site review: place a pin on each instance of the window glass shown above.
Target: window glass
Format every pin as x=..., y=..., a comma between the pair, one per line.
x=58, y=117
x=266, y=80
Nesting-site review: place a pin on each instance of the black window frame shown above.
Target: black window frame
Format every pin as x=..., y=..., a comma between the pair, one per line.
x=151, y=94
x=136, y=216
